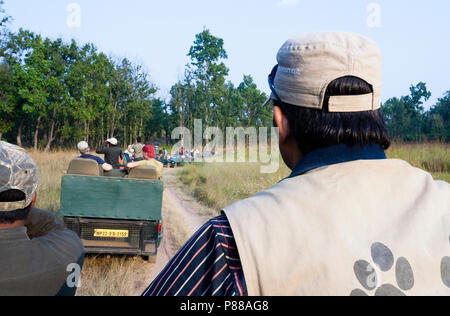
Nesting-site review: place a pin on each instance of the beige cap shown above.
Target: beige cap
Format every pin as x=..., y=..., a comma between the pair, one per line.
x=308, y=63
x=17, y=172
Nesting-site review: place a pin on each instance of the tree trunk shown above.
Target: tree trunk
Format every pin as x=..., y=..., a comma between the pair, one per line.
x=85, y=130
x=108, y=133
x=19, y=134
x=113, y=120
x=103, y=130
x=131, y=139
x=51, y=133
x=125, y=129
x=113, y=130
x=135, y=127
x=36, y=133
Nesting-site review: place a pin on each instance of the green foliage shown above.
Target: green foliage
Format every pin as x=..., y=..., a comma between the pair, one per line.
x=55, y=94
x=437, y=123
x=407, y=120
x=4, y=18
x=204, y=92
x=207, y=50
x=250, y=104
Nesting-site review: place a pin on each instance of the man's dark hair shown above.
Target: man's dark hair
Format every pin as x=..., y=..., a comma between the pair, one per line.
x=139, y=139
x=12, y=216
x=314, y=129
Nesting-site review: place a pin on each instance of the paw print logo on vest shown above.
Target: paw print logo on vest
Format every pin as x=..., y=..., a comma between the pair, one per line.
x=445, y=270
x=383, y=257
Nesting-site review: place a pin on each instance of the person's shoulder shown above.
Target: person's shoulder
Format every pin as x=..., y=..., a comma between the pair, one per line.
x=214, y=230
x=220, y=222
x=142, y=163
x=98, y=159
x=270, y=197
x=158, y=163
x=219, y=227
x=399, y=168
x=37, y=213
x=93, y=157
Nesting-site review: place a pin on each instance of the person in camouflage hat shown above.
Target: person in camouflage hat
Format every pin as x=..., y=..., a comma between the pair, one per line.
x=36, y=253
x=18, y=172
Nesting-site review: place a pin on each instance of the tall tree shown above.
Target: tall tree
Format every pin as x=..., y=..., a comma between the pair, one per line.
x=209, y=72
x=439, y=119
x=253, y=114
x=405, y=116
x=6, y=123
x=414, y=105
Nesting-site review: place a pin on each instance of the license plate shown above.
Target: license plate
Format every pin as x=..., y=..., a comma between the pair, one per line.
x=107, y=233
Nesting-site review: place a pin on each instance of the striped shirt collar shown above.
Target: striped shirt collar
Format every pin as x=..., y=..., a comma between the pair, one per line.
x=335, y=155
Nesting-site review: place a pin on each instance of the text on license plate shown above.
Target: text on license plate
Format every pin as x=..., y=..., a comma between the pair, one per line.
x=107, y=233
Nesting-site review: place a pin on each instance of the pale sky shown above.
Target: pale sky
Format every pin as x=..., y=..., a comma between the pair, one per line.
x=414, y=36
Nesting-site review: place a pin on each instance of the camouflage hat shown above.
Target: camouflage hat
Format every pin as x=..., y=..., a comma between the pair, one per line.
x=17, y=172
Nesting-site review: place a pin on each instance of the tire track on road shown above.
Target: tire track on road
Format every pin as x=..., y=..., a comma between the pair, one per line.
x=182, y=217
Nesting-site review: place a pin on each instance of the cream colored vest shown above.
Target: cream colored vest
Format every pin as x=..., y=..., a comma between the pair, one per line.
x=376, y=227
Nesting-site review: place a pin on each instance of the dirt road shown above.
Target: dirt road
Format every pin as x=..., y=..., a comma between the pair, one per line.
x=130, y=276
x=182, y=217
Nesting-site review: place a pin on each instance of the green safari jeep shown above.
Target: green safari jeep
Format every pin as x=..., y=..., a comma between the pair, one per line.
x=114, y=212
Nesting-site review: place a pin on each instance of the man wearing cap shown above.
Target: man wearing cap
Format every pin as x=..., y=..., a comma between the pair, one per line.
x=149, y=160
x=38, y=257
x=112, y=152
x=84, y=150
x=138, y=153
x=347, y=221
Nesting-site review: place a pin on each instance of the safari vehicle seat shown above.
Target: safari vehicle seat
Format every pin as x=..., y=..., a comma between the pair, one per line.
x=144, y=172
x=115, y=173
x=85, y=167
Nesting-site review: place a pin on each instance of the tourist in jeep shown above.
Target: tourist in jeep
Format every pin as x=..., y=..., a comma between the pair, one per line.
x=112, y=152
x=84, y=149
x=149, y=160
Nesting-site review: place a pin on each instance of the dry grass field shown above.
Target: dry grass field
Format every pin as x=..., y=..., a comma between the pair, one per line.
x=51, y=168
x=434, y=158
